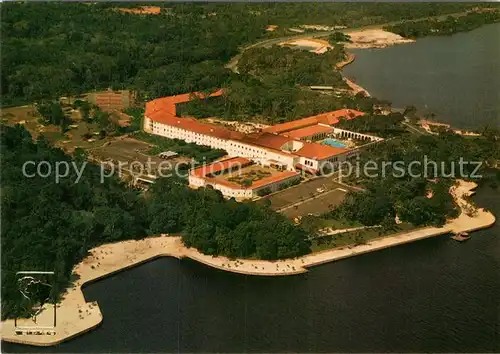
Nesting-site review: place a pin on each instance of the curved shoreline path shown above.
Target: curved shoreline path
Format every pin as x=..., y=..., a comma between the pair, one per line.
x=75, y=316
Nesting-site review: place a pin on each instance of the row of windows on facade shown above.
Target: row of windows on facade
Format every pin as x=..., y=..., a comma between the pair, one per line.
x=186, y=133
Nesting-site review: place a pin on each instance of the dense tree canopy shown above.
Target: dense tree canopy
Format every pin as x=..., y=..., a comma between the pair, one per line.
x=249, y=99
x=415, y=180
x=385, y=126
x=53, y=48
x=287, y=66
x=49, y=225
x=433, y=27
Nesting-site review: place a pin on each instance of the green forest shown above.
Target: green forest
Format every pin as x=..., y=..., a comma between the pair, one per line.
x=451, y=25
x=384, y=126
x=284, y=66
x=249, y=99
x=390, y=192
x=57, y=49
x=51, y=226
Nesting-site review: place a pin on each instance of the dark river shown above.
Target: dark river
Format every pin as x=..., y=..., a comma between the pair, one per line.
x=457, y=77
x=435, y=295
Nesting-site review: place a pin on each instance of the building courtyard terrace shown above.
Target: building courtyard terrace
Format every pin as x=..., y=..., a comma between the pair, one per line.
x=241, y=178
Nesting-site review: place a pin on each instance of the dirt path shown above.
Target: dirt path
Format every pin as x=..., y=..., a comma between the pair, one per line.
x=233, y=62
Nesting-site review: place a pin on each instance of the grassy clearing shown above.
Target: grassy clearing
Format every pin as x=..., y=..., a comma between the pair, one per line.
x=201, y=153
x=314, y=223
x=137, y=114
x=76, y=136
x=356, y=237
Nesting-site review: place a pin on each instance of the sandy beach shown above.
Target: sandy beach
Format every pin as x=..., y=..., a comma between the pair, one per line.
x=374, y=38
x=76, y=316
x=355, y=87
x=364, y=39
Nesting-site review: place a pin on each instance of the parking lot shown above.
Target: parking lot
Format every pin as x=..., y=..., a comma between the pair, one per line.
x=301, y=192
x=314, y=196
x=132, y=155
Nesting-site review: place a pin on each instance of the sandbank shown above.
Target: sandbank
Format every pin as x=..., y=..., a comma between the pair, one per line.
x=374, y=38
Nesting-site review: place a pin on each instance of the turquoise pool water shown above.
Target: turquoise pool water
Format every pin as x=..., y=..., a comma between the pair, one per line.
x=333, y=142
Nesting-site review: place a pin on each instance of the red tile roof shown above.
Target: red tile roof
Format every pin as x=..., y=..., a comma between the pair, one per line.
x=271, y=179
x=163, y=110
x=167, y=104
x=309, y=150
x=220, y=166
x=199, y=172
x=288, y=126
x=308, y=131
x=331, y=118
x=319, y=151
x=267, y=140
x=328, y=118
x=195, y=126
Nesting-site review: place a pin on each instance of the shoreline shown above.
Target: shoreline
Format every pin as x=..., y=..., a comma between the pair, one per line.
x=355, y=88
x=76, y=316
x=374, y=38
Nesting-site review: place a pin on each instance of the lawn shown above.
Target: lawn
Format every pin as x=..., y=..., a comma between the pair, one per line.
x=356, y=237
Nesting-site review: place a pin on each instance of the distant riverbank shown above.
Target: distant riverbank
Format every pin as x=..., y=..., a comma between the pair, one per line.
x=76, y=316
x=449, y=77
x=350, y=57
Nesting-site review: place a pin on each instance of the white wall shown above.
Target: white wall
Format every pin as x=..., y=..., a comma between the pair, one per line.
x=239, y=193
x=233, y=147
x=237, y=148
x=274, y=187
x=350, y=134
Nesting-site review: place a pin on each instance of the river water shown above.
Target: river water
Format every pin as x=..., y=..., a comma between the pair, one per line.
x=456, y=77
x=434, y=295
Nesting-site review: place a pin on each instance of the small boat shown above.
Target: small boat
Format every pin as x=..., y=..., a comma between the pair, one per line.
x=461, y=236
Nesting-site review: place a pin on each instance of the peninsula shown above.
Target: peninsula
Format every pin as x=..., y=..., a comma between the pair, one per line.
x=76, y=316
x=256, y=128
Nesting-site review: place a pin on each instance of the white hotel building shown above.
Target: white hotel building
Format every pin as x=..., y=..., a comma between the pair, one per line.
x=266, y=148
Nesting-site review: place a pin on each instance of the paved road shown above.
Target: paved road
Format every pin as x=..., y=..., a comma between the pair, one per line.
x=233, y=62
x=415, y=130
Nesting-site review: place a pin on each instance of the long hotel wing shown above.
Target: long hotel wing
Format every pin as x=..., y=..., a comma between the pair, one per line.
x=286, y=145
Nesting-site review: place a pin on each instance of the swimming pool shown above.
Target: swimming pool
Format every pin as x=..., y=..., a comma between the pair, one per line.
x=333, y=142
